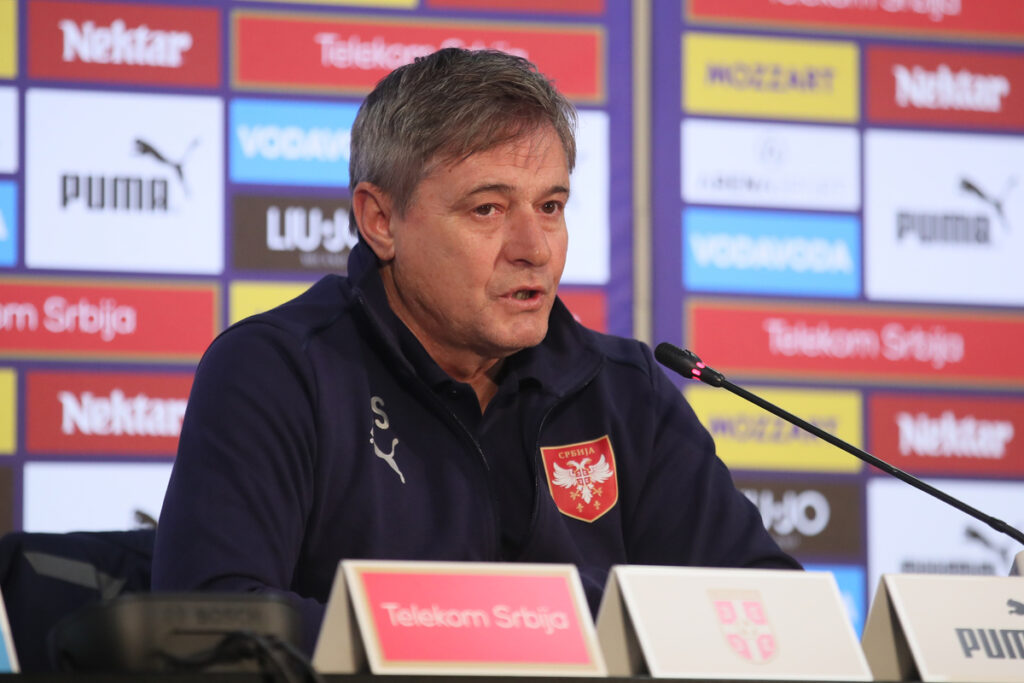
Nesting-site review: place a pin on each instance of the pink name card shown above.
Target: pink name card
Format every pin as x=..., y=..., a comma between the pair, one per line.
x=473, y=618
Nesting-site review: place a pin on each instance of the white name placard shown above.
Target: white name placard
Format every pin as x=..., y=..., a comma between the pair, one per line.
x=686, y=622
x=933, y=627
x=8, y=657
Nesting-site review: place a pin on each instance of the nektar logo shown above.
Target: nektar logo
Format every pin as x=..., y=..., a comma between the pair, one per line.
x=118, y=44
x=950, y=436
x=920, y=88
x=120, y=415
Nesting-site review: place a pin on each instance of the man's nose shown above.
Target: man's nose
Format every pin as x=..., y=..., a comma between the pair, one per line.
x=528, y=239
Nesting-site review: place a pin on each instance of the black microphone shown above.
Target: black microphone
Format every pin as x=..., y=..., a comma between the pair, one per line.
x=689, y=365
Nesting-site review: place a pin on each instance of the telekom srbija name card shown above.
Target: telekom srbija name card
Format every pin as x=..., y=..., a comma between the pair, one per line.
x=466, y=618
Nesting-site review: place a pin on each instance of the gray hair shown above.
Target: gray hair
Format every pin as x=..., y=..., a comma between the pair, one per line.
x=446, y=106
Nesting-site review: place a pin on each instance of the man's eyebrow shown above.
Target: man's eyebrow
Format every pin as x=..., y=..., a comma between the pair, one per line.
x=506, y=188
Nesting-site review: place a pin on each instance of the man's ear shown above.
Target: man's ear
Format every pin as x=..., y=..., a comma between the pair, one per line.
x=372, y=209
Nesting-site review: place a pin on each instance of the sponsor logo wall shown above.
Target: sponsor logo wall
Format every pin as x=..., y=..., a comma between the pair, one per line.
x=161, y=178
x=837, y=201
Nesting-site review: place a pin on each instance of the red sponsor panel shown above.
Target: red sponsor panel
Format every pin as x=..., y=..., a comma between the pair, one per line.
x=124, y=43
x=113, y=320
x=857, y=342
x=487, y=618
x=948, y=434
x=589, y=307
x=953, y=18
x=590, y=7
x=105, y=412
x=327, y=53
x=945, y=88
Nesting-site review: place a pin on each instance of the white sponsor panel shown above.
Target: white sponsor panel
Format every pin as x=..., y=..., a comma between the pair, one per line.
x=124, y=182
x=586, y=214
x=8, y=130
x=944, y=217
x=771, y=164
x=910, y=532
x=61, y=496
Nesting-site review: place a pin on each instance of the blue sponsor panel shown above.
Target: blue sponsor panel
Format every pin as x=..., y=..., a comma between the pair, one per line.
x=850, y=579
x=290, y=142
x=771, y=252
x=8, y=223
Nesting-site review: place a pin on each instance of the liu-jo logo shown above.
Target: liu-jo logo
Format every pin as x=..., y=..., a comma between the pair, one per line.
x=744, y=624
x=582, y=478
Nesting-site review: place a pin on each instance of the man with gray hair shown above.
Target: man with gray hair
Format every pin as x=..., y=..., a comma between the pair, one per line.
x=439, y=402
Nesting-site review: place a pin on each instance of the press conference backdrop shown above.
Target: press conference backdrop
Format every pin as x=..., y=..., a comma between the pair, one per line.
x=836, y=198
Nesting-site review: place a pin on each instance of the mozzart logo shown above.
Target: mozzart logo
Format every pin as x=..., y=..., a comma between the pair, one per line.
x=749, y=438
x=937, y=203
x=291, y=233
x=143, y=172
x=291, y=143
x=351, y=53
x=41, y=318
x=951, y=433
x=732, y=250
x=8, y=223
x=123, y=42
x=945, y=87
x=85, y=412
x=770, y=164
x=748, y=76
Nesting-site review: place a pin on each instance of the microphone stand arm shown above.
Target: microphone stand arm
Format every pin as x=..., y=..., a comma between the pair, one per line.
x=689, y=365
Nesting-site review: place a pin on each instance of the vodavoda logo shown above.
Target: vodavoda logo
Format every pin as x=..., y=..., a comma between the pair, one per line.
x=8, y=130
x=8, y=223
x=290, y=142
x=937, y=204
x=142, y=172
x=771, y=164
x=730, y=250
x=291, y=233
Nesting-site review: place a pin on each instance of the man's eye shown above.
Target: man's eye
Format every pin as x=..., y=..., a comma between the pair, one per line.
x=484, y=210
x=551, y=207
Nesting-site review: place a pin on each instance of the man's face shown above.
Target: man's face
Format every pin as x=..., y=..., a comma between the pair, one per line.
x=480, y=250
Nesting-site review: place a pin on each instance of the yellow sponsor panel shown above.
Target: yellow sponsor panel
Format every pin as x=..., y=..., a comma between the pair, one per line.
x=8, y=38
x=249, y=298
x=808, y=80
x=390, y=4
x=8, y=411
x=748, y=437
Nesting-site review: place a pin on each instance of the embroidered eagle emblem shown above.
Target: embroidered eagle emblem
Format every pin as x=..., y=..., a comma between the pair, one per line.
x=581, y=478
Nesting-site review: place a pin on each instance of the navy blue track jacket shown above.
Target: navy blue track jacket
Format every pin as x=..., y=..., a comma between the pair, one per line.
x=322, y=430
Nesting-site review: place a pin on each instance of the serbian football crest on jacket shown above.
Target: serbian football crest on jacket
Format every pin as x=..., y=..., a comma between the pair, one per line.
x=581, y=478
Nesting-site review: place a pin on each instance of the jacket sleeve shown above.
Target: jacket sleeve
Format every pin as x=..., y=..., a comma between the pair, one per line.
x=693, y=514
x=241, y=487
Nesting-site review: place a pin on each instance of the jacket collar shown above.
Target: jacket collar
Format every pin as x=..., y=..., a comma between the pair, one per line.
x=564, y=361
